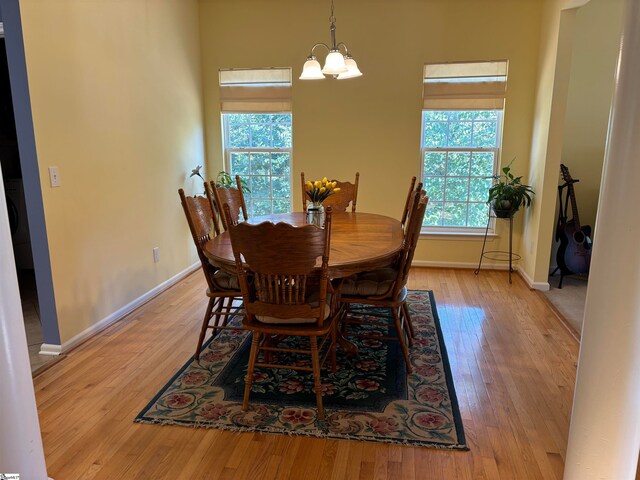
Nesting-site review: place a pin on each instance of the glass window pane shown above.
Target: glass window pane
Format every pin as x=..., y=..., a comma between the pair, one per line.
x=484, y=134
x=260, y=207
x=239, y=164
x=281, y=206
x=260, y=187
x=455, y=214
x=435, y=134
x=434, y=186
x=281, y=187
x=433, y=215
x=457, y=189
x=435, y=163
x=282, y=117
x=260, y=164
x=435, y=115
x=485, y=115
x=260, y=135
x=460, y=134
x=282, y=136
x=479, y=189
x=458, y=163
x=260, y=117
x=280, y=164
x=482, y=164
x=478, y=215
x=239, y=135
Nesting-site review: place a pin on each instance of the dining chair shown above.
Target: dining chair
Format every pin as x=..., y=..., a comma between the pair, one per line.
x=222, y=287
x=288, y=295
x=407, y=204
x=340, y=200
x=387, y=287
x=233, y=197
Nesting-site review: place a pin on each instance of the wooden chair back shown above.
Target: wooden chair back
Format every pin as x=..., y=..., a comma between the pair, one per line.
x=407, y=205
x=203, y=224
x=339, y=201
x=233, y=197
x=412, y=204
x=412, y=234
x=282, y=261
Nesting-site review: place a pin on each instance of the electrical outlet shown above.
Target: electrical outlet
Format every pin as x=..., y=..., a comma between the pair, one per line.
x=54, y=176
x=156, y=254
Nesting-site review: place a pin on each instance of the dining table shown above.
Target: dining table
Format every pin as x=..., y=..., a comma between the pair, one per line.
x=359, y=242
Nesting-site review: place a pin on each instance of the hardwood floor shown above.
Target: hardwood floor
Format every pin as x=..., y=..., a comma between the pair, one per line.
x=513, y=363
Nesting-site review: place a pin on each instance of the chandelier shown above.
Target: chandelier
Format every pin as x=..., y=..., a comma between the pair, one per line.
x=339, y=65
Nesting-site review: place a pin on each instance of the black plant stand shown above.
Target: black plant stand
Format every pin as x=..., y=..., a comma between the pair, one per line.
x=499, y=255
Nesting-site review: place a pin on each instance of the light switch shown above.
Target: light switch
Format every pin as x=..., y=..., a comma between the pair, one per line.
x=54, y=176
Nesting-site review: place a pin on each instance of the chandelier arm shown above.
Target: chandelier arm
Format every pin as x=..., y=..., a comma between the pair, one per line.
x=317, y=45
x=342, y=44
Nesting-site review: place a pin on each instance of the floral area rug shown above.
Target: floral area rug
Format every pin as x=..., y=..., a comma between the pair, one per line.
x=369, y=397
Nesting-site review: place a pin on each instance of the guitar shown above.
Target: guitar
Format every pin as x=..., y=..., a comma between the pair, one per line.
x=574, y=253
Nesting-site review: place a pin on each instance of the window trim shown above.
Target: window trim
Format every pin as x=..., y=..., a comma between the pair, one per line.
x=445, y=230
x=227, y=151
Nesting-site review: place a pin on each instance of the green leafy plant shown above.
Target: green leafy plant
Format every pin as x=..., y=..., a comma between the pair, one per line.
x=508, y=193
x=223, y=179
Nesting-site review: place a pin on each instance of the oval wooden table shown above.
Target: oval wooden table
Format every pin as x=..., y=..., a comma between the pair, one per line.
x=359, y=242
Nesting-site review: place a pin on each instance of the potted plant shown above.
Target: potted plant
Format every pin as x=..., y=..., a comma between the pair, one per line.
x=223, y=179
x=508, y=194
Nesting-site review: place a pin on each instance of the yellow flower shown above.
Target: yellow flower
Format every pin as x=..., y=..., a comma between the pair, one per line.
x=334, y=184
x=318, y=184
x=336, y=189
x=323, y=189
x=309, y=184
x=324, y=180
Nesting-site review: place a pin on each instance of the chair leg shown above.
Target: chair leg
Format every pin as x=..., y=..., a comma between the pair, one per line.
x=315, y=361
x=218, y=317
x=252, y=364
x=205, y=324
x=403, y=345
x=407, y=320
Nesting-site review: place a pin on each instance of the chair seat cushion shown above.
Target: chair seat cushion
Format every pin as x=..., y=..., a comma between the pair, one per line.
x=226, y=281
x=369, y=284
x=313, y=300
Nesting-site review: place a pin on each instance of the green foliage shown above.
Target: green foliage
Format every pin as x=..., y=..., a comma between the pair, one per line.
x=509, y=193
x=225, y=180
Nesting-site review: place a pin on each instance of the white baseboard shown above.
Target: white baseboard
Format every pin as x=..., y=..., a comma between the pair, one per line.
x=542, y=286
x=474, y=265
x=48, y=349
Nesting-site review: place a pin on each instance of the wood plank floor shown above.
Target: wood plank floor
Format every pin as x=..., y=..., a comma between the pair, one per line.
x=513, y=364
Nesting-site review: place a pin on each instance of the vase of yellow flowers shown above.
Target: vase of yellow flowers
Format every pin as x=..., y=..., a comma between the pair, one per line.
x=318, y=192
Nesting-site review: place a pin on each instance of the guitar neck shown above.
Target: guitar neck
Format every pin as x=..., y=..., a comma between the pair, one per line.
x=574, y=206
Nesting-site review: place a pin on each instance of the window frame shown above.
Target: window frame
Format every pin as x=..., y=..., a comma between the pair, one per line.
x=228, y=151
x=445, y=230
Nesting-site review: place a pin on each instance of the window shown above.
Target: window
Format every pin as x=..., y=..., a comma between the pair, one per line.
x=258, y=148
x=460, y=155
x=461, y=138
x=257, y=135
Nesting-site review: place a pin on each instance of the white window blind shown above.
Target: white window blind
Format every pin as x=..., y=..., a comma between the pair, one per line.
x=255, y=90
x=465, y=86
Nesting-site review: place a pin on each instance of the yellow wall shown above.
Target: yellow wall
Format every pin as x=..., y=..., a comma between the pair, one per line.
x=116, y=98
x=589, y=101
x=546, y=144
x=372, y=123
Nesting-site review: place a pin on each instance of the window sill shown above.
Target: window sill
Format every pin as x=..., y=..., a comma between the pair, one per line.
x=449, y=235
